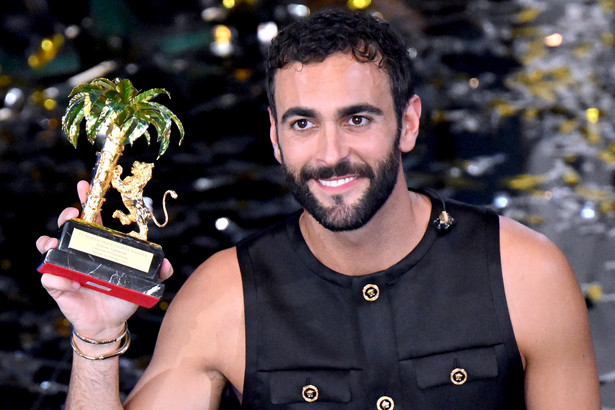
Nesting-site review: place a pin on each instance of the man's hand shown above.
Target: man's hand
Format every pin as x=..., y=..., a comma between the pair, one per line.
x=91, y=313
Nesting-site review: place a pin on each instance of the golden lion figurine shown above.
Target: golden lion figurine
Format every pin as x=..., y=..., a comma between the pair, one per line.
x=131, y=190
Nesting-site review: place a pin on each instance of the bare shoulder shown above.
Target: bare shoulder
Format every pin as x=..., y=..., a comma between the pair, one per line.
x=540, y=284
x=518, y=240
x=218, y=276
x=549, y=318
x=201, y=344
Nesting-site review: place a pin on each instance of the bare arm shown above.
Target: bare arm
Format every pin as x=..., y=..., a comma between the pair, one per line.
x=201, y=342
x=94, y=384
x=550, y=322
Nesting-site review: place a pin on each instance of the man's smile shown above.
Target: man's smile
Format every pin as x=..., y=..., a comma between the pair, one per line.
x=336, y=182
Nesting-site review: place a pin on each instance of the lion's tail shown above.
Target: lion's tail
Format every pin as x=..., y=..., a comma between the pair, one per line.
x=164, y=208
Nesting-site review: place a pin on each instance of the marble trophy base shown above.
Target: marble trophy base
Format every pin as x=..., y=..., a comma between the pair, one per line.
x=107, y=261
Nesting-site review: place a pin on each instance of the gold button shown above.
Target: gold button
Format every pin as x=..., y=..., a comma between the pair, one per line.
x=371, y=292
x=310, y=393
x=385, y=403
x=459, y=376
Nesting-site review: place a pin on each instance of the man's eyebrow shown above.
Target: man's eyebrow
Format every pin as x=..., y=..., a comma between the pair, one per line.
x=298, y=112
x=357, y=109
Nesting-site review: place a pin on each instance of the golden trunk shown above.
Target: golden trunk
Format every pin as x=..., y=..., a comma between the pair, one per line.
x=107, y=160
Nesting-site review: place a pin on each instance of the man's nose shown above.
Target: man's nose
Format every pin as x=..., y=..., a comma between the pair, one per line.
x=332, y=146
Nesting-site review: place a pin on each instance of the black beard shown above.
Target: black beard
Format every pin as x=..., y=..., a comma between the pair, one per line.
x=340, y=216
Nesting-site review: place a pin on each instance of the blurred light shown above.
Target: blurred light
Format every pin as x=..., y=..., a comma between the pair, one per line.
x=34, y=61
x=474, y=82
x=14, y=98
x=203, y=184
x=47, y=51
x=180, y=64
x=5, y=80
x=485, y=163
x=132, y=68
x=358, y=4
x=455, y=172
x=221, y=49
x=5, y=114
x=242, y=74
x=594, y=292
x=46, y=45
x=554, y=40
x=412, y=52
x=229, y=4
x=222, y=223
x=571, y=178
x=50, y=104
x=298, y=10
x=501, y=201
x=213, y=13
x=98, y=70
x=588, y=211
x=222, y=34
x=72, y=31
x=266, y=32
x=37, y=97
x=52, y=92
x=593, y=115
x=222, y=41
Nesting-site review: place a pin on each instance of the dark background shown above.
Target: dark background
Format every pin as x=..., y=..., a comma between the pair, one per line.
x=505, y=119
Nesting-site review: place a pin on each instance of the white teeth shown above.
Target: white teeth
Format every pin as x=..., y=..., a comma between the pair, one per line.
x=336, y=182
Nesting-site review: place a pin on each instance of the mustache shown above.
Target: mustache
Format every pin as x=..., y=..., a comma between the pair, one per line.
x=343, y=168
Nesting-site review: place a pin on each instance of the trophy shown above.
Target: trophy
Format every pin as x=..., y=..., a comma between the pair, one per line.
x=122, y=265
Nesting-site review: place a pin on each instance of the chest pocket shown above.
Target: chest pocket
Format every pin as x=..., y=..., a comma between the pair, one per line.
x=456, y=368
x=459, y=379
x=309, y=387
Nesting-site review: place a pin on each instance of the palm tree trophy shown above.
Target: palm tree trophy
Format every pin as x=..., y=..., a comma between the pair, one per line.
x=122, y=265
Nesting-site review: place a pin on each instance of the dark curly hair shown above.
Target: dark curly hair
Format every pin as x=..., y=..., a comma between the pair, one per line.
x=324, y=33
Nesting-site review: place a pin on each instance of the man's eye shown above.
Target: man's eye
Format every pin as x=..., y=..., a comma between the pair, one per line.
x=302, y=124
x=358, y=120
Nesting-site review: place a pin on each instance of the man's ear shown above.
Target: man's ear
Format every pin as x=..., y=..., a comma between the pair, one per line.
x=410, y=123
x=273, y=136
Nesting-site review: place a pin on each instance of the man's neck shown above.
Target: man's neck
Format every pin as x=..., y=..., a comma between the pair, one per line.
x=386, y=239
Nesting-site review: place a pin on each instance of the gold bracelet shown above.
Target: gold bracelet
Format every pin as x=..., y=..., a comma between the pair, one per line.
x=102, y=342
x=121, y=350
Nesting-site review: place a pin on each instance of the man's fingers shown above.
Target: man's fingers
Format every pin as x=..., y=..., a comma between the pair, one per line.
x=55, y=283
x=67, y=214
x=166, y=270
x=83, y=188
x=44, y=243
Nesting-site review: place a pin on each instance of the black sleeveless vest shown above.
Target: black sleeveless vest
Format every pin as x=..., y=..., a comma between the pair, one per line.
x=431, y=332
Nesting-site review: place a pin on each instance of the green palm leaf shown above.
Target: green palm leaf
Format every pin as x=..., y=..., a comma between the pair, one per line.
x=149, y=94
x=139, y=129
x=107, y=104
x=168, y=116
x=72, y=119
x=125, y=90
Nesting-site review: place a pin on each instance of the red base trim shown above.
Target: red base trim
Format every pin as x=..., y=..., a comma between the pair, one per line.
x=101, y=286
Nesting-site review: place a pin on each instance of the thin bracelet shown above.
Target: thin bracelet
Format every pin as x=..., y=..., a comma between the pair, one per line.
x=121, y=350
x=101, y=342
